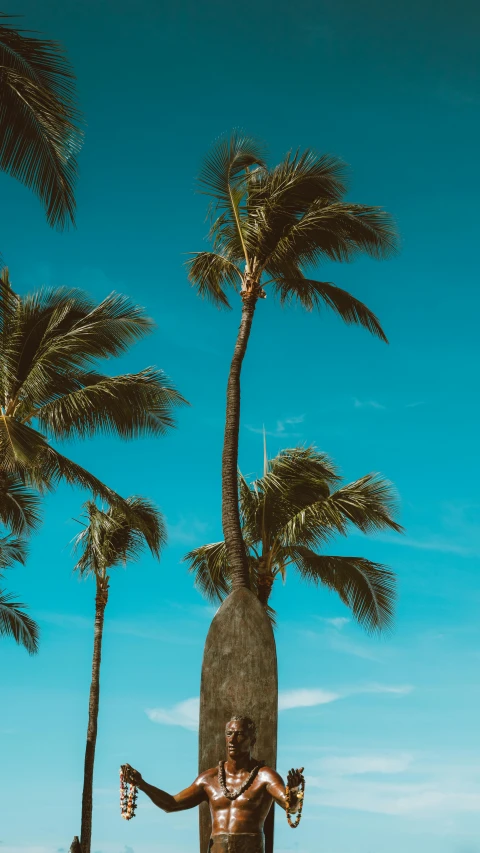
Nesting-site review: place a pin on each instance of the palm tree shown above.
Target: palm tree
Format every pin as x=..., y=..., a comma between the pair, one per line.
x=50, y=387
x=110, y=538
x=14, y=622
x=19, y=513
x=292, y=512
x=269, y=226
x=40, y=133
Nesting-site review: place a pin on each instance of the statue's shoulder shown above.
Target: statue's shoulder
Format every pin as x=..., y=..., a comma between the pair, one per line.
x=207, y=775
x=268, y=774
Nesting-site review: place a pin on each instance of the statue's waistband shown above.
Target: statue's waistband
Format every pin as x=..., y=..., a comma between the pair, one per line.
x=239, y=842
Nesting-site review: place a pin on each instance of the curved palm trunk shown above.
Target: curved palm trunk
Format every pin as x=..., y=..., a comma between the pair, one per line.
x=232, y=530
x=101, y=599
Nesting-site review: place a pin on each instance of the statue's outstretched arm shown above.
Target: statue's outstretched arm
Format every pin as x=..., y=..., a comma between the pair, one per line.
x=186, y=799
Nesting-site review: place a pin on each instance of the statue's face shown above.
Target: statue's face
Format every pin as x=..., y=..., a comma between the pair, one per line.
x=237, y=738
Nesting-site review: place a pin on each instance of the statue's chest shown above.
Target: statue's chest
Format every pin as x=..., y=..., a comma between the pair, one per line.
x=248, y=799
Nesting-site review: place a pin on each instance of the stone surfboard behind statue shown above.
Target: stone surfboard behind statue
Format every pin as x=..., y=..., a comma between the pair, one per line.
x=240, y=792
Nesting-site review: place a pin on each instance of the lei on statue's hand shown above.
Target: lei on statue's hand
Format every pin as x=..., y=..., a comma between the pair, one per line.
x=295, y=779
x=128, y=791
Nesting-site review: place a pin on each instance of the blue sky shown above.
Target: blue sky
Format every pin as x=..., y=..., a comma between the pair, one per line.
x=387, y=729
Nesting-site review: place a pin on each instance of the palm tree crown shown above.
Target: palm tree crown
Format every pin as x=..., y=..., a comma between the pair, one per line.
x=115, y=536
x=291, y=513
x=50, y=387
x=40, y=133
x=269, y=226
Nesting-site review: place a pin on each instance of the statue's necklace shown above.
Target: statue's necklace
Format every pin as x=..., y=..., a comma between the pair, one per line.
x=128, y=798
x=300, y=797
x=232, y=795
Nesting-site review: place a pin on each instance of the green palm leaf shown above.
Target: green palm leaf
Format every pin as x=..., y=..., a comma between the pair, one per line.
x=19, y=505
x=15, y=623
x=366, y=588
x=40, y=134
x=291, y=513
x=118, y=535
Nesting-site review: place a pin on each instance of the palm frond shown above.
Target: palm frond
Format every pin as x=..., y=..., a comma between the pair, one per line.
x=118, y=535
x=224, y=167
x=210, y=273
x=20, y=445
x=370, y=503
x=19, y=505
x=15, y=623
x=367, y=589
x=13, y=549
x=312, y=294
x=128, y=406
x=62, y=330
x=40, y=126
x=209, y=564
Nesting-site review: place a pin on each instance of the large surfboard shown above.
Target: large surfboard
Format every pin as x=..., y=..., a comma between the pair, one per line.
x=239, y=676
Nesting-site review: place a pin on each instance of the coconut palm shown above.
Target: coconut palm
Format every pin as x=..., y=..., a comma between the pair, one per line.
x=110, y=538
x=269, y=227
x=40, y=133
x=14, y=622
x=288, y=515
x=51, y=343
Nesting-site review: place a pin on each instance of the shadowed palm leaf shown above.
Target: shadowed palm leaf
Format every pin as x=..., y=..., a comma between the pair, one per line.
x=287, y=516
x=269, y=227
x=40, y=133
x=52, y=341
x=14, y=622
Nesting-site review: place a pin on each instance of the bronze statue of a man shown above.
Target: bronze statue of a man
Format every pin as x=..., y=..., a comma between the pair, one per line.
x=240, y=792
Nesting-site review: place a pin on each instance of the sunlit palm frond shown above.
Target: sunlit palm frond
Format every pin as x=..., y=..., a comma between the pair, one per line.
x=224, y=167
x=40, y=124
x=312, y=294
x=209, y=565
x=15, y=623
x=211, y=274
x=130, y=405
x=367, y=589
x=19, y=505
x=370, y=503
x=118, y=535
x=13, y=549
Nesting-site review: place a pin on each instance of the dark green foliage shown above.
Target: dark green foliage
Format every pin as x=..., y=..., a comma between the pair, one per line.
x=288, y=516
x=40, y=125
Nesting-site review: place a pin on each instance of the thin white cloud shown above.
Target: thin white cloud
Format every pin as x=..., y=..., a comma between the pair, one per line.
x=184, y=714
x=433, y=543
x=338, y=622
x=305, y=698
x=357, y=765
x=367, y=404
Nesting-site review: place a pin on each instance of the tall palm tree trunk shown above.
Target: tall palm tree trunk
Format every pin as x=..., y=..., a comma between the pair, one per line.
x=101, y=599
x=232, y=530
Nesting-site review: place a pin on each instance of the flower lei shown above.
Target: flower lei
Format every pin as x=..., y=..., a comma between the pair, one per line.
x=232, y=795
x=300, y=796
x=128, y=797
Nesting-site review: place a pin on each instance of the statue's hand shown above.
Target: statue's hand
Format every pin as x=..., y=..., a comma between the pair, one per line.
x=295, y=778
x=132, y=776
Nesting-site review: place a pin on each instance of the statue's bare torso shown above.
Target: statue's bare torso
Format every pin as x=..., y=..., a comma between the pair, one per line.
x=239, y=815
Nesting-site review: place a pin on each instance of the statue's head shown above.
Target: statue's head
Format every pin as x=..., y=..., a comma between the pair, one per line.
x=240, y=736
